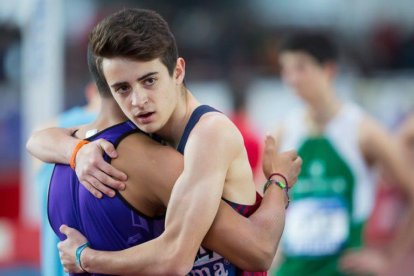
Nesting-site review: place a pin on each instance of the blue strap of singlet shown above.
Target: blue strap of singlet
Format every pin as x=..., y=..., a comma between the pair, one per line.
x=194, y=118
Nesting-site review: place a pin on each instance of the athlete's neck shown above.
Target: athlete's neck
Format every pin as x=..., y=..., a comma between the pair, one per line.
x=174, y=128
x=110, y=114
x=324, y=107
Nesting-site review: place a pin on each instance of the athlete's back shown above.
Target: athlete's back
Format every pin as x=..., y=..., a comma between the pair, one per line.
x=108, y=223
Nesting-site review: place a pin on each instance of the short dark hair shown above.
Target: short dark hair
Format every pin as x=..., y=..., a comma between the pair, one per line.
x=136, y=34
x=317, y=45
x=99, y=80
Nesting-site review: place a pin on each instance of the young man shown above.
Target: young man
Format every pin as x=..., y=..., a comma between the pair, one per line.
x=339, y=145
x=136, y=54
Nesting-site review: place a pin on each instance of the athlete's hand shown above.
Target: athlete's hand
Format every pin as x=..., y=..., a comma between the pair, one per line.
x=97, y=175
x=287, y=163
x=67, y=249
x=364, y=262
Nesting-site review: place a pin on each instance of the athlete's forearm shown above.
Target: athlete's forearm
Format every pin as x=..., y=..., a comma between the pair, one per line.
x=189, y=215
x=269, y=221
x=249, y=243
x=52, y=145
x=403, y=242
x=173, y=253
x=151, y=258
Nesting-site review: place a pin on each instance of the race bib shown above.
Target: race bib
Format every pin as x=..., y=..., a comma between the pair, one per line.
x=315, y=227
x=209, y=263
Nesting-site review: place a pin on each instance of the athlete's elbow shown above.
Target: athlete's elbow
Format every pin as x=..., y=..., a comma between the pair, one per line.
x=260, y=258
x=33, y=145
x=178, y=262
x=263, y=260
x=29, y=144
x=178, y=267
x=267, y=259
x=267, y=254
x=264, y=254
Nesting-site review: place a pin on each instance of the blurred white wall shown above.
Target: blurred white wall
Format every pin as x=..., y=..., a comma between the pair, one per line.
x=42, y=85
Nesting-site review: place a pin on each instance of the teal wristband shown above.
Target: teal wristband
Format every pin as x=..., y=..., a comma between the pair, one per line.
x=280, y=184
x=78, y=254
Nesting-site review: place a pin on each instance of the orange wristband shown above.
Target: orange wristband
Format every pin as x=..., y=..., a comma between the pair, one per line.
x=75, y=152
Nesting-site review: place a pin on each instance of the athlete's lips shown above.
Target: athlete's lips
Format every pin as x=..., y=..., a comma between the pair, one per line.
x=145, y=117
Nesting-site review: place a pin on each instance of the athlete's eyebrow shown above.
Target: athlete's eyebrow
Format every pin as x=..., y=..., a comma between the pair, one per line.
x=118, y=84
x=146, y=76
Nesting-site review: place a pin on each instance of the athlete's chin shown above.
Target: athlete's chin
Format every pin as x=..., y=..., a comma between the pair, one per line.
x=148, y=127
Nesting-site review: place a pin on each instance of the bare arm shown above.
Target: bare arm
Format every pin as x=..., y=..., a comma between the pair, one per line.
x=406, y=132
x=405, y=139
x=55, y=145
x=52, y=145
x=379, y=146
x=193, y=205
x=257, y=237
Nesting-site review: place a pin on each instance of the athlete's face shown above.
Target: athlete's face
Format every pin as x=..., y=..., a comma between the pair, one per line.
x=144, y=90
x=304, y=74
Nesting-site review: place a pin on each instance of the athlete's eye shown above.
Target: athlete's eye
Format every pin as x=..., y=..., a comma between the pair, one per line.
x=150, y=81
x=123, y=89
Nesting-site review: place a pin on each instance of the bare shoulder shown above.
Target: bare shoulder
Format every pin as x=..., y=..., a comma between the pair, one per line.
x=374, y=139
x=406, y=130
x=370, y=129
x=152, y=170
x=140, y=155
x=216, y=127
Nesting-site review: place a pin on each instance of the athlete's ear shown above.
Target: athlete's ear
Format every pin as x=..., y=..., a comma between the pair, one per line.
x=179, y=73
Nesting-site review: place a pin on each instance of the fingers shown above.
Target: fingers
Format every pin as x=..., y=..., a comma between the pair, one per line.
x=270, y=144
x=292, y=154
x=270, y=141
x=109, y=181
x=298, y=163
x=296, y=169
x=96, y=193
x=67, y=248
x=112, y=171
x=108, y=148
x=99, y=187
x=64, y=229
x=98, y=176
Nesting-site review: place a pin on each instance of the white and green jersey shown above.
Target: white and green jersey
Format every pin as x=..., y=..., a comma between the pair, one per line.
x=333, y=195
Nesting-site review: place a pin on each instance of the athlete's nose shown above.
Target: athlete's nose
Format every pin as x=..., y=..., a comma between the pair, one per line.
x=139, y=98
